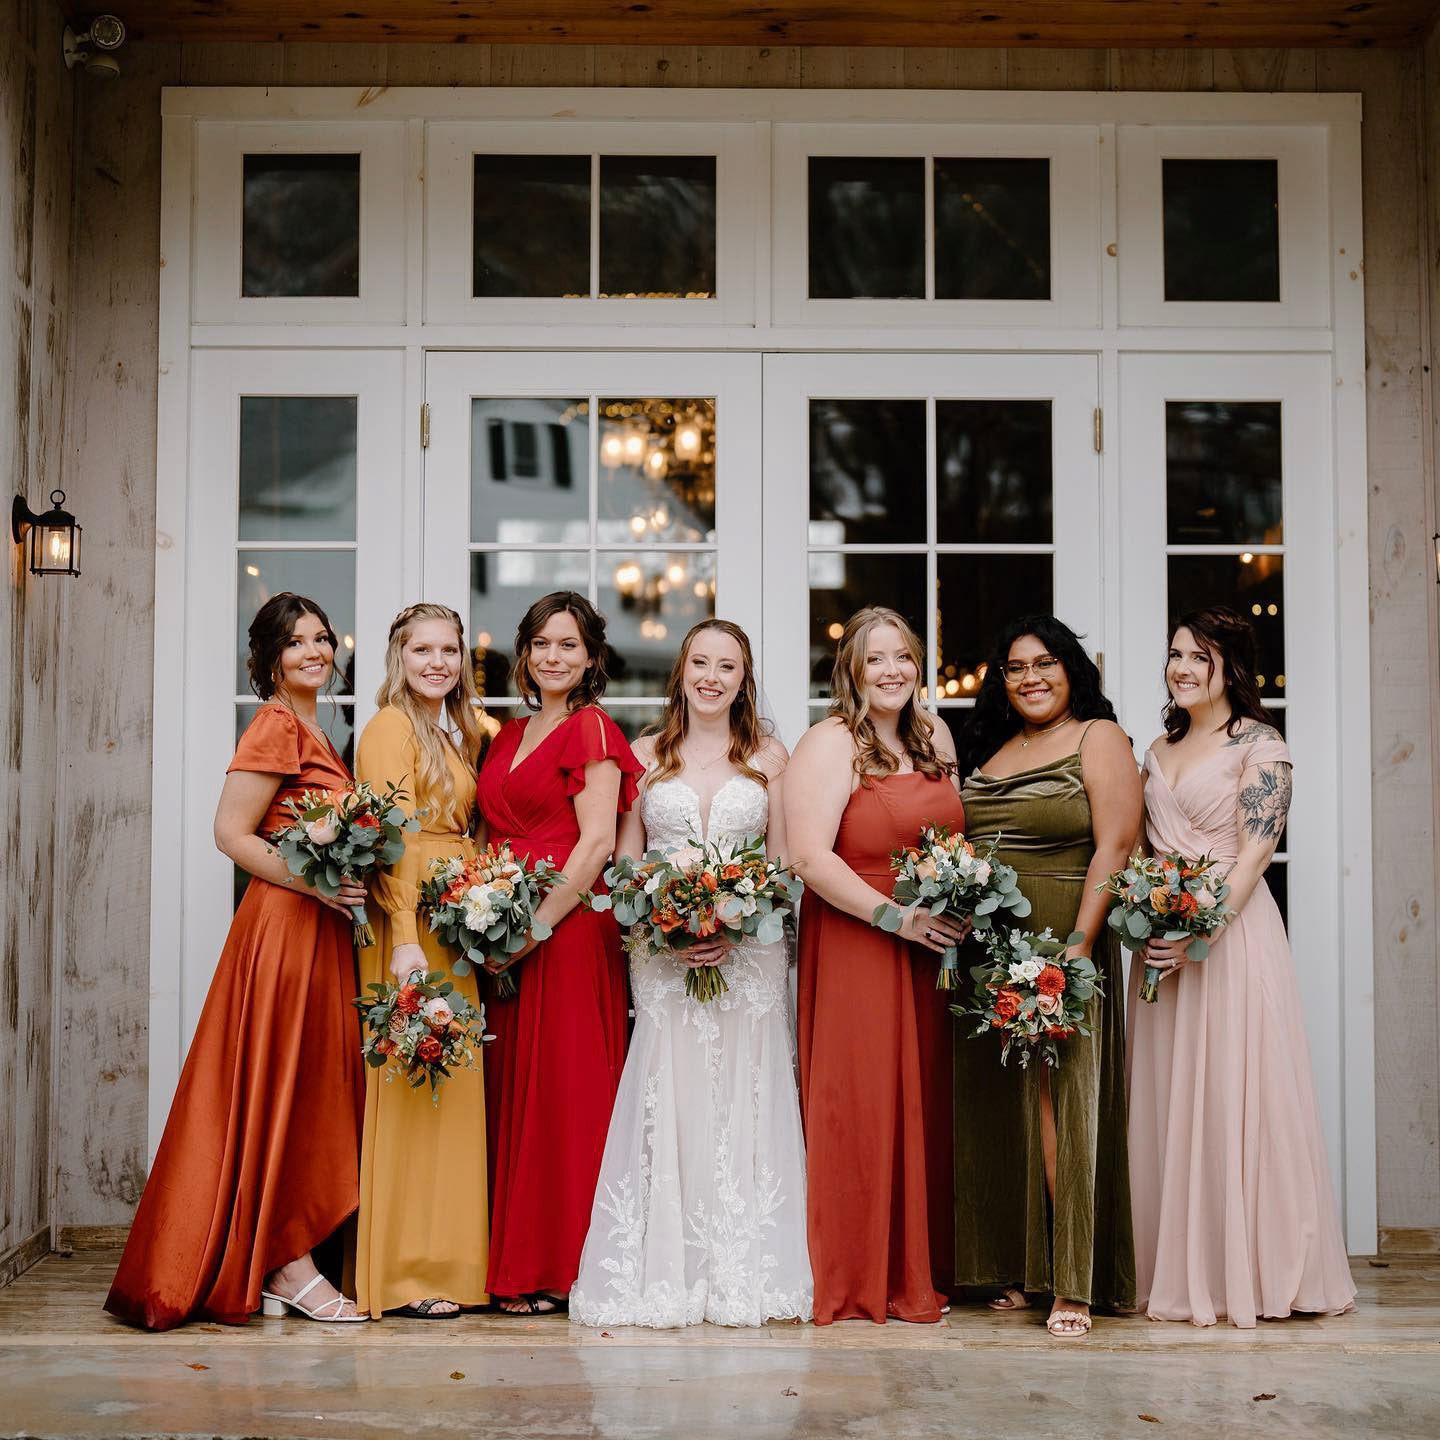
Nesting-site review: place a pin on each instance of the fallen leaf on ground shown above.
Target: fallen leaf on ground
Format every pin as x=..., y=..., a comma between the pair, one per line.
x=457, y=1374
x=606, y=1335
x=788, y=1391
x=1262, y=1396
x=191, y=1365
x=1379, y=1264
x=1148, y=1419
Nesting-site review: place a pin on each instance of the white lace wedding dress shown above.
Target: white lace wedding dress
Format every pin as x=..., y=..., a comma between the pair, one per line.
x=700, y=1209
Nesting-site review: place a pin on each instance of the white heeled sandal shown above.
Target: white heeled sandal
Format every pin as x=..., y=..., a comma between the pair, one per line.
x=273, y=1306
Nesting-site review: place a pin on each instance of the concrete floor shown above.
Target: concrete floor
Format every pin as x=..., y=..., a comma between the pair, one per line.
x=66, y=1369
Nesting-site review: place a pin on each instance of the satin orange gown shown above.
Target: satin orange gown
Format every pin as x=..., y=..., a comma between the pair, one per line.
x=260, y=1158
x=875, y=1080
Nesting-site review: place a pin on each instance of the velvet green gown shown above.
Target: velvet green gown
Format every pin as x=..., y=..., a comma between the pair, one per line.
x=1005, y=1233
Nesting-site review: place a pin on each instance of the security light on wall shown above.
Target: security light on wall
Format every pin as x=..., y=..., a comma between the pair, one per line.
x=93, y=48
x=54, y=536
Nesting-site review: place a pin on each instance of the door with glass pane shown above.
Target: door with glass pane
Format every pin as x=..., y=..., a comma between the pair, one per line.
x=962, y=490
x=293, y=459
x=632, y=479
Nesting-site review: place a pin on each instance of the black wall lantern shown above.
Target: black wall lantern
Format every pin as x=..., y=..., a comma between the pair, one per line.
x=54, y=536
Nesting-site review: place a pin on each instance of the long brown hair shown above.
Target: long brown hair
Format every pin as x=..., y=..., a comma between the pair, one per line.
x=591, y=624
x=748, y=732
x=848, y=702
x=1219, y=630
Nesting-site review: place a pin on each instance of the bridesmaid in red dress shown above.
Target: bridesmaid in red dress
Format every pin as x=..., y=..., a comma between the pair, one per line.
x=875, y=1035
x=553, y=785
x=261, y=1154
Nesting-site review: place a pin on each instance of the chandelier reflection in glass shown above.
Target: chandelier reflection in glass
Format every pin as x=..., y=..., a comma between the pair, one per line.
x=657, y=471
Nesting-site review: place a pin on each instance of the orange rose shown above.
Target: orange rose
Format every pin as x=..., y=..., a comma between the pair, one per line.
x=1160, y=900
x=1058, y=1032
x=1007, y=1003
x=429, y=1050
x=407, y=1001
x=1051, y=980
x=733, y=872
x=365, y=821
x=708, y=880
x=384, y=1046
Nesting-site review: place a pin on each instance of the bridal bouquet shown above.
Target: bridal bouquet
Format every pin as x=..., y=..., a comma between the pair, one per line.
x=485, y=907
x=341, y=835
x=421, y=1031
x=942, y=872
x=698, y=892
x=1167, y=897
x=1032, y=992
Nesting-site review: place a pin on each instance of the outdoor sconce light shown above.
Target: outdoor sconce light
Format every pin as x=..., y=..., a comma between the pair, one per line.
x=93, y=49
x=54, y=536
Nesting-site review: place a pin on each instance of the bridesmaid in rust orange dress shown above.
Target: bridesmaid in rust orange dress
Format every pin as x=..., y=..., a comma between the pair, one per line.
x=875, y=1085
x=261, y=1154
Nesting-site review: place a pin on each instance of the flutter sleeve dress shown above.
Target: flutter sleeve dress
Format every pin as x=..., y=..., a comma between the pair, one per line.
x=261, y=1151
x=559, y=1048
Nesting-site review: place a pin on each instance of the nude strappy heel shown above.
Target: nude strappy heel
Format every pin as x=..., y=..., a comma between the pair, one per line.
x=273, y=1305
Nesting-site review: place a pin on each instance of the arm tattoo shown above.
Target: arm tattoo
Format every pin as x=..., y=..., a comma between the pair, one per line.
x=1265, y=804
x=1252, y=730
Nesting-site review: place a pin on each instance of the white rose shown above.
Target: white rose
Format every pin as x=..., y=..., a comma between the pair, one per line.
x=1024, y=971
x=323, y=832
x=745, y=886
x=1204, y=899
x=479, y=917
x=685, y=856
x=982, y=872
x=437, y=1011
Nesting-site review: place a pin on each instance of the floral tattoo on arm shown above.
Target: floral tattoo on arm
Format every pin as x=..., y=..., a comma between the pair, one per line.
x=1265, y=804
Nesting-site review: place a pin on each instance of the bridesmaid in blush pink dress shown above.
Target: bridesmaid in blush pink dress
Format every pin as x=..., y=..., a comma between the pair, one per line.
x=1234, y=1212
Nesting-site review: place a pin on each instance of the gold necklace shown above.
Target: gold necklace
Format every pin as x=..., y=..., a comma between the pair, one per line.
x=1036, y=734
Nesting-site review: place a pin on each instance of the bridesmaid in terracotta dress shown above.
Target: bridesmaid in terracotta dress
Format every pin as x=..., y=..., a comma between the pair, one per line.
x=874, y=1034
x=260, y=1157
x=553, y=785
x=1234, y=1212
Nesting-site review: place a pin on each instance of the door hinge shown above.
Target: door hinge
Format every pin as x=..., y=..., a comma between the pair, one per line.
x=425, y=426
x=1099, y=430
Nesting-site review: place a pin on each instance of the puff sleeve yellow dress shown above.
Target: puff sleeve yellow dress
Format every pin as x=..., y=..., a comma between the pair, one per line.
x=424, y=1218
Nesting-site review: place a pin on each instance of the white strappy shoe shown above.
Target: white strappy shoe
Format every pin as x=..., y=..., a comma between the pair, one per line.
x=275, y=1305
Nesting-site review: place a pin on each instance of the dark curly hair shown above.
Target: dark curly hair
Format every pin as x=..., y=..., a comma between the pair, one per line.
x=1220, y=632
x=994, y=720
x=270, y=633
x=591, y=624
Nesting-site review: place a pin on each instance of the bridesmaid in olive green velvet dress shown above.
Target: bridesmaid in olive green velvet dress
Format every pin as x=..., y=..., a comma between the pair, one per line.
x=1042, y=1193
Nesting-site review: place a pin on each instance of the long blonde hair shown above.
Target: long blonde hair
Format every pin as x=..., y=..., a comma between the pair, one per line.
x=748, y=732
x=848, y=702
x=433, y=784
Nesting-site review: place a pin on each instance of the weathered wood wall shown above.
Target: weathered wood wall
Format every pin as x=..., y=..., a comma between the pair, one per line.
x=102, y=1140
x=36, y=131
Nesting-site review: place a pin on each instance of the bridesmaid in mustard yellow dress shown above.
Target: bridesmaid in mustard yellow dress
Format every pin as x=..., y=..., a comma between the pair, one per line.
x=423, y=1242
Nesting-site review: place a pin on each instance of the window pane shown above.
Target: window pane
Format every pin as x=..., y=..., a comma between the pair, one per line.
x=1277, y=877
x=1254, y=587
x=532, y=225
x=657, y=226
x=529, y=470
x=301, y=229
x=867, y=228
x=867, y=471
x=634, y=719
x=841, y=584
x=325, y=576
x=977, y=595
x=650, y=600
x=992, y=229
x=297, y=467
x=503, y=585
x=993, y=470
x=657, y=471
x=1222, y=472
x=1222, y=229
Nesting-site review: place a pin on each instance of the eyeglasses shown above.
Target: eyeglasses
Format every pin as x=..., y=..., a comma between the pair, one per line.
x=1017, y=670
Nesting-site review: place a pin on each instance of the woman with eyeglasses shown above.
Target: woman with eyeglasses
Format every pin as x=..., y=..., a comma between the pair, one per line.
x=1041, y=1172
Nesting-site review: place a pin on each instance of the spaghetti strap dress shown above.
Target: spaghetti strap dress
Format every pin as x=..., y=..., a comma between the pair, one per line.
x=555, y=1063
x=875, y=1050
x=261, y=1153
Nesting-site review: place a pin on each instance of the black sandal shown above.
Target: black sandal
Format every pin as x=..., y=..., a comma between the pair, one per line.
x=559, y=1304
x=425, y=1309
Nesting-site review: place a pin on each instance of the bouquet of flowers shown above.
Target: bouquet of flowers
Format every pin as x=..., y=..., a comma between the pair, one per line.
x=339, y=835
x=485, y=907
x=1166, y=897
x=942, y=872
x=421, y=1030
x=698, y=892
x=1031, y=992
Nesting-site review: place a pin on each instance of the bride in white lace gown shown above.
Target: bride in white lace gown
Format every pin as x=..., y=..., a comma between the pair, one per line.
x=700, y=1209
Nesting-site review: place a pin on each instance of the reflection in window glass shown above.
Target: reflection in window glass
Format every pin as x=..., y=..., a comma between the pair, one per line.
x=993, y=471
x=978, y=595
x=634, y=720
x=841, y=584
x=297, y=467
x=1223, y=472
x=531, y=225
x=657, y=471
x=650, y=599
x=867, y=471
x=300, y=232
x=1222, y=229
x=529, y=470
x=503, y=584
x=325, y=576
x=867, y=227
x=992, y=229
x=657, y=226
x=1253, y=585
